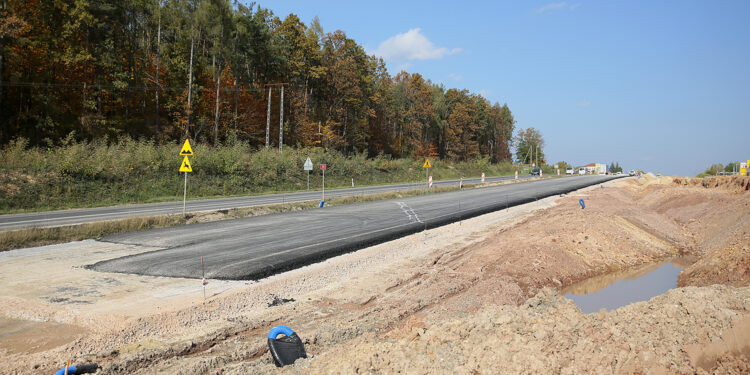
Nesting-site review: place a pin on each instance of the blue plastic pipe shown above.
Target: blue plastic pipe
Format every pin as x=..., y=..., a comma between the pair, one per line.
x=280, y=330
x=71, y=371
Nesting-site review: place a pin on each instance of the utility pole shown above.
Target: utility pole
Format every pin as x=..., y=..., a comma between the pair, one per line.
x=281, y=120
x=281, y=115
x=190, y=87
x=158, y=54
x=268, y=117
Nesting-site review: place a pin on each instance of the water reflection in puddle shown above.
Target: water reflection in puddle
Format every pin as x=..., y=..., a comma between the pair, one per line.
x=618, y=289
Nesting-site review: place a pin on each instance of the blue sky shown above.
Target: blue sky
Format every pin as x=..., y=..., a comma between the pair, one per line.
x=662, y=86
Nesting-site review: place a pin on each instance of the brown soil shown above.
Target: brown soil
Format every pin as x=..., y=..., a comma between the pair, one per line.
x=471, y=297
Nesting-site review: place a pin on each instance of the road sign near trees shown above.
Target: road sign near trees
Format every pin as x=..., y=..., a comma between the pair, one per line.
x=308, y=167
x=185, y=167
x=186, y=149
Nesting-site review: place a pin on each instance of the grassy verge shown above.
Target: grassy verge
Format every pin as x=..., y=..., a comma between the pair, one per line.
x=95, y=174
x=33, y=237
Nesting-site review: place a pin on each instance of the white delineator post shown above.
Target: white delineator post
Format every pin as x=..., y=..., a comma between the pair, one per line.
x=427, y=177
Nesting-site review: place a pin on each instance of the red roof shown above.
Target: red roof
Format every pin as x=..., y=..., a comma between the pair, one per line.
x=590, y=165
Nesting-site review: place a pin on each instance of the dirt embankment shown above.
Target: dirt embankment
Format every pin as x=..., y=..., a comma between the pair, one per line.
x=735, y=184
x=717, y=211
x=465, y=298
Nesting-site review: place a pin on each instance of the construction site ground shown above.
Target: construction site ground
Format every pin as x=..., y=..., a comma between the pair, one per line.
x=477, y=296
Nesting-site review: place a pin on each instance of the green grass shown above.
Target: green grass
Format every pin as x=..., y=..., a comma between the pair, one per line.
x=93, y=174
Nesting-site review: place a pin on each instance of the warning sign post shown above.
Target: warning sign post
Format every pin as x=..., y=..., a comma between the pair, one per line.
x=186, y=168
x=427, y=167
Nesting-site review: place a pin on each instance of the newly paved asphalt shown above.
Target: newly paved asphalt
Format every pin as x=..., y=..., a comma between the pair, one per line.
x=82, y=216
x=256, y=247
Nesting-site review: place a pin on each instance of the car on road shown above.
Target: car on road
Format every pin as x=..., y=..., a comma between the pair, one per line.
x=536, y=171
x=581, y=171
x=569, y=170
x=632, y=173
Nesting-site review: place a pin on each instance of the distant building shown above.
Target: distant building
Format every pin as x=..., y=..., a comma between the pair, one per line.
x=601, y=168
x=590, y=168
x=596, y=168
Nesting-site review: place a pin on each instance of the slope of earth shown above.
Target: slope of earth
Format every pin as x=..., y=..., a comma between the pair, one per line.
x=720, y=219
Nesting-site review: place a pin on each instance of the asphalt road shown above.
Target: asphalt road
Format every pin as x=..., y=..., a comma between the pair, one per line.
x=90, y=215
x=256, y=247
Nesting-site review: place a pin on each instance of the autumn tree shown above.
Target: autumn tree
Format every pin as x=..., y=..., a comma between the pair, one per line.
x=530, y=147
x=170, y=69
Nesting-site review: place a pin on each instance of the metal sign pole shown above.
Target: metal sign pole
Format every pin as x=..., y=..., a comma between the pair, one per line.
x=184, y=196
x=324, y=185
x=308, y=180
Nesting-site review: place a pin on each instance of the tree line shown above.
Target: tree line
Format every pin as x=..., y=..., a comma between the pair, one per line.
x=211, y=70
x=719, y=169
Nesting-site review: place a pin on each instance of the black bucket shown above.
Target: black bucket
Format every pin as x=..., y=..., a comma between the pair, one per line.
x=286, y=349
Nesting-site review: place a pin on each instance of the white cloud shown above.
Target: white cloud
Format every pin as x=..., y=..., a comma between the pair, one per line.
x=412, y=45
x=584, y=103
x=557, y=6
x=456, y=77
x=551, y=6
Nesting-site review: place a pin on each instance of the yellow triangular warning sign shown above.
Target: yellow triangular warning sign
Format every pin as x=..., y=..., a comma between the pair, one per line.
x=186, y=149
x=427, y=164
x=185, y=167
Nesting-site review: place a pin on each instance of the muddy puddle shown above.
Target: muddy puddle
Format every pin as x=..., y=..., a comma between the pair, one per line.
x=621, y=288
x=26, y=336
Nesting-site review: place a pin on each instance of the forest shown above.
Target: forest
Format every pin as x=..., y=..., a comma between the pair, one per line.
x=213, y=70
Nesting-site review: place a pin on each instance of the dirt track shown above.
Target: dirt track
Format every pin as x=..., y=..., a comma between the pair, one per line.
x=456, y=299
